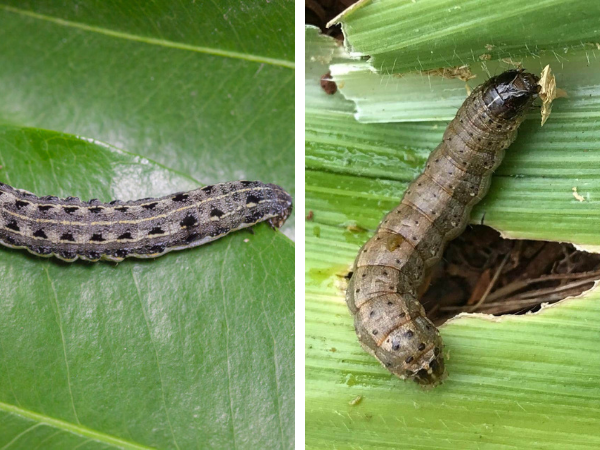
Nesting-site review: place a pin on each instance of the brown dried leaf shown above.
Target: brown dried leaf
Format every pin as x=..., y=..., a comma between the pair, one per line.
x=547, y=92
x=461, y=72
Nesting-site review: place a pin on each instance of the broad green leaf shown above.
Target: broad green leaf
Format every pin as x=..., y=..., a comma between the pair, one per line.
x=407, y=35
x=205, y=88
x=250, y=30
x=417, y=97
x=319, y=53
x=357, y=163
x=515, y=383
x=358, y=172
x=191, y=350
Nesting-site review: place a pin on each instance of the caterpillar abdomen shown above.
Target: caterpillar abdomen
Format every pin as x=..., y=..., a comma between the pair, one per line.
x=147, y=228
x=390, y=269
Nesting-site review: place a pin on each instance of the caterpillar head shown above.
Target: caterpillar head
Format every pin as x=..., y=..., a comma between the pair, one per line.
x=434, y=376
x=282, y=209
x=510, y=94
x=419, y=356
x=432, y=371
x=278, y=221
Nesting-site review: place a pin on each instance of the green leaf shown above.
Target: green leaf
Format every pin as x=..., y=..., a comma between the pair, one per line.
x=194, y=349
x=517, y=382
x=248, y=31
x=319, y=52
x=433, y=96
x=205, y=88
x=407, y=35
x=191, y=350
x=359, y=172
x=541, y=169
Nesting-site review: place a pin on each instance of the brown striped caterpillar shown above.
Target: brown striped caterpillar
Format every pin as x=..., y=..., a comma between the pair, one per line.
x=390, y=271
x=147, y=228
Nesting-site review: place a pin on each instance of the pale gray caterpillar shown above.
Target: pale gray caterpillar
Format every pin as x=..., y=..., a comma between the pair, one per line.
x=390, y=271
x=147, y=228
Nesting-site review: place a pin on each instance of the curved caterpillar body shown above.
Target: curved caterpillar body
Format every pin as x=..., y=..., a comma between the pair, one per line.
x=147, y=228
x=390, y=270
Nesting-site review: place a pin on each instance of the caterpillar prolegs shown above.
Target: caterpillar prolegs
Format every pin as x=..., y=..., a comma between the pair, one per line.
x=147, y=228
x=391, y=268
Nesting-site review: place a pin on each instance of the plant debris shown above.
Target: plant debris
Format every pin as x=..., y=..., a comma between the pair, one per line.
x=461, y=72
x=547, y=92
x=355, y=401
x=485, y=273
x=328, y=85
x=321, y=12
x=576, y=194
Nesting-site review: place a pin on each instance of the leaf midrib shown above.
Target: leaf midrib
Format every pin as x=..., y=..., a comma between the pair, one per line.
x=71, y=428
x=154, y=41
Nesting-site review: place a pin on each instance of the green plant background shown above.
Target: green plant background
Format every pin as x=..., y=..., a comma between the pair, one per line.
x=520, y=382
x=128, y=100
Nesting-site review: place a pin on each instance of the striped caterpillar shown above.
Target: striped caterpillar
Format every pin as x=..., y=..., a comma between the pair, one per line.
x=390, y=271
x=147, y=228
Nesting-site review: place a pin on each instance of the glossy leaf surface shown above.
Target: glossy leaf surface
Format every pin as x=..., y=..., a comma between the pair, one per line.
x=190, y=350
x=194, y=349
x=196, y=99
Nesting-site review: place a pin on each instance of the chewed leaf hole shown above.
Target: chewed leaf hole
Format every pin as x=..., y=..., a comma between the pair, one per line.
x=482, y=272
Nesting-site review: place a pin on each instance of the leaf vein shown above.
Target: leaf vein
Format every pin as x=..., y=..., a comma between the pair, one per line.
x=64, y=346
x=227, y=341
x=155, y=41
x=162, y=384
x=18, y=436
x=71, y=428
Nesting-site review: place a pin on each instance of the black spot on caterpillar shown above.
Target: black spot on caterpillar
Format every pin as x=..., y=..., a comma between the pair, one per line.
x=12, y=225
x=68, y=237
x=70, y=228
x=188, y=221
x=156, y=230
x=40, y=234
x=180, y=197
x=391, y=268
